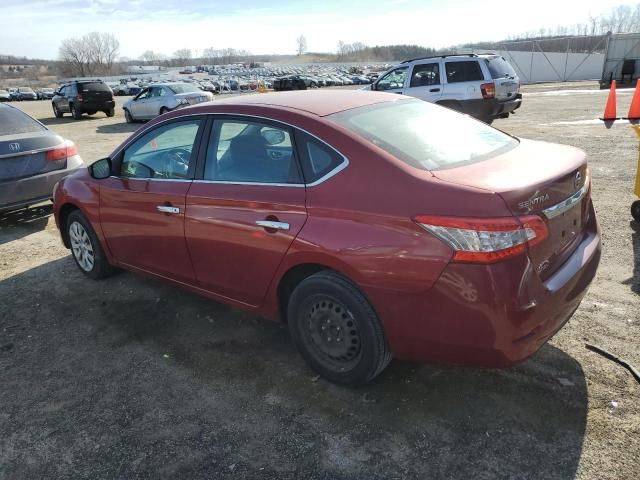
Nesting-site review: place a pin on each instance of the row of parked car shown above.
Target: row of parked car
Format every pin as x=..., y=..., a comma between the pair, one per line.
x=25, y=93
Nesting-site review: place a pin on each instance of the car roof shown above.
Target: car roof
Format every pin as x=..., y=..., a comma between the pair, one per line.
x=317, y=102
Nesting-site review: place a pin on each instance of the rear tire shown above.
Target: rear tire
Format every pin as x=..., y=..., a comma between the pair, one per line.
x=336, y=329
x=635, y=210
x=110, y=112
x=85, y=247
x=76, y=113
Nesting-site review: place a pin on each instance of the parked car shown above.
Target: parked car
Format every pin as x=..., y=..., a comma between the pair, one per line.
x=481, y=248
x=32, y=159
x=25, y=93
x=45, y=93
x=289, y=83
x=5, y=96
x=484, y=86
x=161, y=98
x=13, y=94
x=86, y=96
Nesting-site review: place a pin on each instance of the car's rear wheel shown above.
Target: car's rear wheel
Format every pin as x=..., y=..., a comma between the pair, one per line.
x=635, y=210
x=56, y=111
x=337, y=330
x=76, y=112
x=128, y=117
x=110, y=112
x=85, y=247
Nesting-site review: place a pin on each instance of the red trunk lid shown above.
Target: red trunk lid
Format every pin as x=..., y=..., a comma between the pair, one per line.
x=542, y=179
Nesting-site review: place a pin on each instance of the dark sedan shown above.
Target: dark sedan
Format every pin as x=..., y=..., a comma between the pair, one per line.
x=26, y=93
x=32, y=159
x=374, y=225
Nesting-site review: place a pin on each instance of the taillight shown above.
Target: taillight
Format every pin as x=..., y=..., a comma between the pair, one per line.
x=488, y=90
x=486, y=240
x=68, y=149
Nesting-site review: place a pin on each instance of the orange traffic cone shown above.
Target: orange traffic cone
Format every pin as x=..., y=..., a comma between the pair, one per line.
x=610, y=108
x=634, y=109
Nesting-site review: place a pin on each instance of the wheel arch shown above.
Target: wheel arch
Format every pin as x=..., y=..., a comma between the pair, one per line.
x=63, y=214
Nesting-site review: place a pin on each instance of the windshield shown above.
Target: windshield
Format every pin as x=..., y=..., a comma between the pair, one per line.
x=500, y=68
x=183, y=88
x=94, y=87
x=13, y=121
x=25, y=89
x=424, y=135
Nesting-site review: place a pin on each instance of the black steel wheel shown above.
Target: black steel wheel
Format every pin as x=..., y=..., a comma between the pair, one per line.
x=337, y=330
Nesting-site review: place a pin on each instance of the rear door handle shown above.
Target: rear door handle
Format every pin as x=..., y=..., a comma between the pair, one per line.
x=434, y=90
x=168, y=209
x=269, y=224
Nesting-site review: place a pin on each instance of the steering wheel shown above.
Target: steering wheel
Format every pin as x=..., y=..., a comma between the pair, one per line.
x=174, y=163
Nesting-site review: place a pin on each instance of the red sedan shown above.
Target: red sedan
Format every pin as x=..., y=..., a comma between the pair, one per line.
x=375, y=225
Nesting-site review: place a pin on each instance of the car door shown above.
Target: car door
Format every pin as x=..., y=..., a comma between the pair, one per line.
x=155, y=102
x=63, y=100
x=462, y=80
x=140, y=105
x=393, y=81
x=142, y=206
x=425, y=82
x=245, y=207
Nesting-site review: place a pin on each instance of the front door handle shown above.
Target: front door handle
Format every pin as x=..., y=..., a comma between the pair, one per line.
x=434, y=90
x=271, y=225
x=168, y=209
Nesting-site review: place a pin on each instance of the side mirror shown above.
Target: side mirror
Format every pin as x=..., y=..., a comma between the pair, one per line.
x=100, y=169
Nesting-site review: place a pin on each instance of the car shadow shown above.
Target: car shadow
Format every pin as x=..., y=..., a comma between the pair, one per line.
x=20, y=223
x=118, y=128
x=49, y=121
x=141, y=368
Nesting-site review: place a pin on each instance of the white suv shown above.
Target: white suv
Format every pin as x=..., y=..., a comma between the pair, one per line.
x=484, y=86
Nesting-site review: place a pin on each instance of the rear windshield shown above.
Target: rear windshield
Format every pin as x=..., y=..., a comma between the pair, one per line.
x=183, y=88
x=13, y=121
x=424, y=135
x=500, y=68
x=94, y=87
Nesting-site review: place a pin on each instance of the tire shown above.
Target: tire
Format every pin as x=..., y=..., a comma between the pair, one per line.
x=85, y=247
x=163, y=110
x=635, y=210
x=56, y=111
x=77, y=114
x=355, y=350
x=128, y=117
x=110, y=112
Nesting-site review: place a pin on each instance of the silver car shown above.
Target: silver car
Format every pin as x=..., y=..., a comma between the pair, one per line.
x=161, y=98
x=32, y=159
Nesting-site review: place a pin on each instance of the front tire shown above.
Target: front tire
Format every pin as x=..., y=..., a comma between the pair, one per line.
x=85, y=247
x=163, y=110
x=56, y=111
x=128, y=117
x=635, y=210
x=336, y=329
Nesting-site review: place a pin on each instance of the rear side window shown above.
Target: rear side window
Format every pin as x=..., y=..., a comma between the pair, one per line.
x=500, y=68
x=318, y=159
x=14, y=121
x=425, y=75
x=463, y=71
x=94, y=87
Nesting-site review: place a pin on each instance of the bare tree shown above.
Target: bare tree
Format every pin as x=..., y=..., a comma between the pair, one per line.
x=182, y=54
x=301, y=44
x=93, y=53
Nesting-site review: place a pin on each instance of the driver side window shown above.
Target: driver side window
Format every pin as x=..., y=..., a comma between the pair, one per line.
x=393, y=80
x=165, y=152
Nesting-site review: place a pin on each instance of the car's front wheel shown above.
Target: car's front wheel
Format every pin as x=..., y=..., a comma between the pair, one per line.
x=635, y=210
x=127, y=116
x=56, y=111
x=337, y=330
x=85, y=247
x=163, y=110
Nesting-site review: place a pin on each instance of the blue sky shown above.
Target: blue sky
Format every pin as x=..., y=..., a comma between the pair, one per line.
x=35, y=28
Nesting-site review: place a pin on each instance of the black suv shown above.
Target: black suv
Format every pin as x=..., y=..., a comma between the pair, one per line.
x=80, y=97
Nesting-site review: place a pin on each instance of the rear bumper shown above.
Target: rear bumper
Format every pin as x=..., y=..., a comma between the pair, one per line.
x=490, y=109
x=97, y=106
x=21, y=193
x=488, y=315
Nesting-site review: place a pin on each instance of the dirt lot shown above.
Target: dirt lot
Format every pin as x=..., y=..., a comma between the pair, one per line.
x=130, y=378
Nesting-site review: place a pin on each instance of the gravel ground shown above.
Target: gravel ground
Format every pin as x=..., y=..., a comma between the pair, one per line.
x=131, y=378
